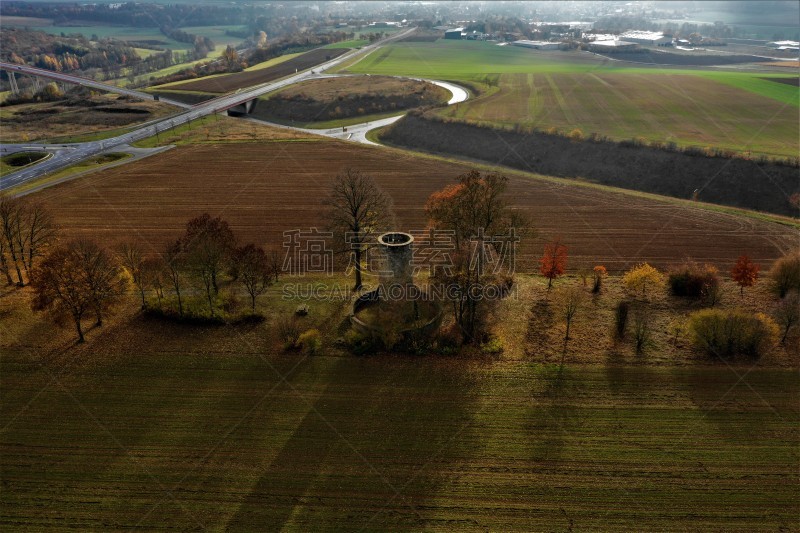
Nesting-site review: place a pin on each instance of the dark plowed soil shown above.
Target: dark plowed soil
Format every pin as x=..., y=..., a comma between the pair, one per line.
x=231, y=82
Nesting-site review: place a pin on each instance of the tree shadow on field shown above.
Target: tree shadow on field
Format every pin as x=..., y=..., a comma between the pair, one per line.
x=374, y=451
x=745, y=405
x=539, y=345
x=554, y=416
x=630, y=384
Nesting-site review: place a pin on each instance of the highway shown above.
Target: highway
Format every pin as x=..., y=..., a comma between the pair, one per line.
x=71, y=154
x=85, y=82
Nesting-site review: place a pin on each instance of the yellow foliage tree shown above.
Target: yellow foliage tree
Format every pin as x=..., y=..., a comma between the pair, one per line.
x=641, y=277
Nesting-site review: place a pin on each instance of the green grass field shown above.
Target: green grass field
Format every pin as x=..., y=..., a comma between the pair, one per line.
x=353, y=43
x=565, y=90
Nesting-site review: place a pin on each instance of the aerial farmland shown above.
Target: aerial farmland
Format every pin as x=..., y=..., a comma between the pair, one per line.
x=373, y=267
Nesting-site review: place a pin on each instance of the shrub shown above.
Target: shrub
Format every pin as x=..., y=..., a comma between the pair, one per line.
x=310, y=341
x=621, y=319
x=642, y=276
x=641, y=330
x=448, y=340
x=785, y=274
x=787, y=313
x=694, y=281
x=600, y=274
x=360, y=344
x=729, y=333
x=288, y=331
x=493, y=346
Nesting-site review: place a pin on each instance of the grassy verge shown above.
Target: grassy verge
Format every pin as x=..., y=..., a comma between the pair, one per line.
x=173, y=136
x=217, y=129
x=92, y=136
x=329, y=124
x=353, y=43
x=20, y=160
x=96, y=163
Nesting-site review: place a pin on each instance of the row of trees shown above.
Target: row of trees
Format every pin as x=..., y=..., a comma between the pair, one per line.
x=80, y=277
x=27, y=230
x=197, y=262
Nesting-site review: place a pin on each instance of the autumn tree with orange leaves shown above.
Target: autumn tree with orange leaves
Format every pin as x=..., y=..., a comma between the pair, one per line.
x=745, y=273
x=554, y=261
x=483, y=229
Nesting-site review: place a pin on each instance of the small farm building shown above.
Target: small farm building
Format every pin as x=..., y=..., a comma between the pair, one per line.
x=455, y=33
x=538, y=45
x=650, y=38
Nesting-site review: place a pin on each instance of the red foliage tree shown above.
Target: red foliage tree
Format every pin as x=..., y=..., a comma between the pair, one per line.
x=745, y=273
x=554, y=261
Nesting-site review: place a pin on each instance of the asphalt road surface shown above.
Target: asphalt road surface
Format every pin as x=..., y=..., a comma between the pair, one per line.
x=74, y=153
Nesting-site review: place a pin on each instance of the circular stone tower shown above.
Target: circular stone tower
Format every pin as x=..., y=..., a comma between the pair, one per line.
x=398, y=271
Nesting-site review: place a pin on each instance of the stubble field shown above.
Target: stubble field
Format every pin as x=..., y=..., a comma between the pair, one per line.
x=155, y=425
x=687, y=110
x=739, y=111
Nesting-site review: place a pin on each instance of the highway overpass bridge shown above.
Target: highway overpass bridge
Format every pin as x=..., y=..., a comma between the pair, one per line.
x=13, y=69
x=240, y=102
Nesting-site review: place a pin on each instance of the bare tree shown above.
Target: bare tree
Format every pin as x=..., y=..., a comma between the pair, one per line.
x=209, y=244
x=77, y=278
x=153, y=275
x=103, y=274
x=254, y=271
x=60, y=287
x=569, y=301
x=274, y=264
x=39, y=232
x=27, y=230
x=174, y=260
x=787, y=313
x=133, y=261
x=358, y=212
x=11, y=221
x=5, y=268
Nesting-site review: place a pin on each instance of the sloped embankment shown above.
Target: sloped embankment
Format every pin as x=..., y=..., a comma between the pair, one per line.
x=763, y=186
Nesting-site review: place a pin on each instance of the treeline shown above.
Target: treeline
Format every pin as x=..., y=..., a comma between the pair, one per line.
x=195, y=278
x=142, y=15
x=64, y=54
x=185, y=280
x=660, y=168
x=104, y=58
x=27, y=230
x=202, y=45
x=294, y=43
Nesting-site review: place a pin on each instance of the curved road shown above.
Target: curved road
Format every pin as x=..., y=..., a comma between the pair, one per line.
x=358, y=132
x=74, y=153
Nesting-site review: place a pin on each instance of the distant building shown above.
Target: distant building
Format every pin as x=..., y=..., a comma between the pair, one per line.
x=612, y=45
x=455, y=33
x=538, y=45
x=651, y=38
x=780, y=44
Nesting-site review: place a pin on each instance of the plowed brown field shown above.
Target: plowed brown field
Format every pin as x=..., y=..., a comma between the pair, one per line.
x=264, y=189
x=240, y=80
